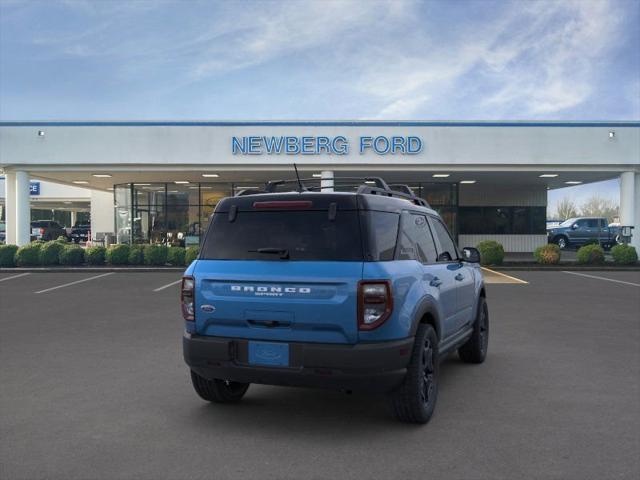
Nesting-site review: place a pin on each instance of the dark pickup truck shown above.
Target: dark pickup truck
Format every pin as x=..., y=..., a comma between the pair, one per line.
x=80, y=232
x=583, y=230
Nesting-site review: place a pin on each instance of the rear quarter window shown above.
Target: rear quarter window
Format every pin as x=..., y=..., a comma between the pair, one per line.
x=383, y=234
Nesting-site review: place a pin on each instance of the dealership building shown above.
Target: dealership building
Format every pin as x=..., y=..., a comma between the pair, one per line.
x=160, y=181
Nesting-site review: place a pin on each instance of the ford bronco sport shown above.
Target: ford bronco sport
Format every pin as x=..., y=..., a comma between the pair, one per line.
x=361, y=290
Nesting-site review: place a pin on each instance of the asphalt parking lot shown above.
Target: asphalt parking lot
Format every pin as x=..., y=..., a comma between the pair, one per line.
x=93, y=386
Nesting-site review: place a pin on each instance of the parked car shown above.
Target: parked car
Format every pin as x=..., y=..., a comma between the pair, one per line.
x=80, y=232
x=579, y=231
x=352, y=291
x=47, y=230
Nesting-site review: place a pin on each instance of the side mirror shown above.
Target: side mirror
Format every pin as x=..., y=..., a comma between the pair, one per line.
x=574, y=226
x=471, y=255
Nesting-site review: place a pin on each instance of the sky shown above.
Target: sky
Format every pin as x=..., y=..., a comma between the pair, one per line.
x=387, y=59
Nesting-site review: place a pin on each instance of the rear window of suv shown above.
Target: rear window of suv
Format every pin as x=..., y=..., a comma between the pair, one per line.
x=303, y=235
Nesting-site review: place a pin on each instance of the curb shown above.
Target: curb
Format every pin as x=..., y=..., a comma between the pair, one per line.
x=91, y=269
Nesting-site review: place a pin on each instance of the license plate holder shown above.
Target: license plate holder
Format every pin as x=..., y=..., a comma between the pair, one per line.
x=270, y=354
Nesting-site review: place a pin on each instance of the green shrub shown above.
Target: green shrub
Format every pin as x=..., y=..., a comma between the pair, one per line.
x=547, y=254
x=8, y=255
x=136, y=255
x=72, y=255
x=624, y=254
x=50, y=253
x=62, y=239
x=175, y=256
x=590, y=254
x=118, y=254
x=95, y=255
x=491, y=252
x=190, y=255
x=155, y=255
x=29, y=255
x=592, y=241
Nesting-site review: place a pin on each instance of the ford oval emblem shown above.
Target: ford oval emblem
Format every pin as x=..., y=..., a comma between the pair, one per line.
x=208, y=308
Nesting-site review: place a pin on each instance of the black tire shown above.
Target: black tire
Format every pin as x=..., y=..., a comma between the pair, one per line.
x=475, y=349
x=218, y=391
x=562, y=242
x=415, y=400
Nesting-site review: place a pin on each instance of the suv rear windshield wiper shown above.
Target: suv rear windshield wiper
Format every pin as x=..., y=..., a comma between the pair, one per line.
x=283, y=252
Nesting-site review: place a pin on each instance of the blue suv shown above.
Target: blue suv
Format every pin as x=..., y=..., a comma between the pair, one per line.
x=357, y=291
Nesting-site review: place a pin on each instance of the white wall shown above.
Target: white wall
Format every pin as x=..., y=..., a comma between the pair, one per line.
x=511, y=243
x=211, y=144
x=50, y=191
x=102, y=219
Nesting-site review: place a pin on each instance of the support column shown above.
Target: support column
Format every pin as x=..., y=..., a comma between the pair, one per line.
x=10, y=206
x=73, y=218
x=23, y=209
x=630, y=205
x=326, y=181
x=102, y=218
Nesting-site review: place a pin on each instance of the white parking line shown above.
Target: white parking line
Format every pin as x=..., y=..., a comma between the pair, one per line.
x=513, y=279
x=74, y=283
x=603, y=278
x=168, y=285
x=12, y=277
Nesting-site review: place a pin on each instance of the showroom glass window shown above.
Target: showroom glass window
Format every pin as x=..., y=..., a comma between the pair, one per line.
x=166, y=213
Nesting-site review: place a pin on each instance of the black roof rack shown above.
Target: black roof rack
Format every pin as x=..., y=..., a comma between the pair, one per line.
x=364, y=185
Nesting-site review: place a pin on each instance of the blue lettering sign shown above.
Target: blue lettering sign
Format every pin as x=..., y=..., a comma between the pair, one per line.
x=414, y=145
x=254, y=146
x=34, y=188
x=338, y=145
x=238, y=147
x=273, y=145
x=293, y=147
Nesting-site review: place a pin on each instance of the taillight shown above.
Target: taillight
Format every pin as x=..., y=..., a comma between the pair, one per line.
x=187, y=298
x=375, y=303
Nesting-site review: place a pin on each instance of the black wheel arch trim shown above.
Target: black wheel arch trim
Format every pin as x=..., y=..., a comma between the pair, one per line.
x=427, y=307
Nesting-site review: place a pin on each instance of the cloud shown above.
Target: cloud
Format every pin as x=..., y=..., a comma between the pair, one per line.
x=535, y=59
x=270, y=31
x=552, y=63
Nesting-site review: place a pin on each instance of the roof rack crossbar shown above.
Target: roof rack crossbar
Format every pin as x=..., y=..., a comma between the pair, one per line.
x=371, y=186
x=367, y=189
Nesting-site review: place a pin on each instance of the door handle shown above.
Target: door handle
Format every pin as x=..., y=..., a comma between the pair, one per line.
x=436, y=282
x=459, y=277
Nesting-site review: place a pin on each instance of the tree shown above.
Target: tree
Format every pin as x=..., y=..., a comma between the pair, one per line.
x=565, y=209
x=597, y=206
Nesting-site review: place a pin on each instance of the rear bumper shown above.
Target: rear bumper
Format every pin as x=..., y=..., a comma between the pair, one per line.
x=378, y=367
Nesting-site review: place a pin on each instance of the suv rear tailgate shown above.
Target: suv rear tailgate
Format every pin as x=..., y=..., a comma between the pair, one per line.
x=297, y=301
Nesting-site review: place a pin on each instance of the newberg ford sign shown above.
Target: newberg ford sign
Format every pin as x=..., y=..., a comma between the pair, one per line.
x=337, y=145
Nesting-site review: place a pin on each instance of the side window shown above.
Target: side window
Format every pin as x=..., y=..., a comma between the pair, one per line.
x=592, y=223
x=448, y=251
x=603, y=223
x=581, y=223
x=383, y=228
x=416, y=242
